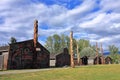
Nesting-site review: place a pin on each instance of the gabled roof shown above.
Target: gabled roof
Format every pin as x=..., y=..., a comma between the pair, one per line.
x=31, y=41
x=22, y=42
x=6, y=48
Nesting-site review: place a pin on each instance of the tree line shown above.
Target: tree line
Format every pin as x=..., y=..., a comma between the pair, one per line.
x=56, y=43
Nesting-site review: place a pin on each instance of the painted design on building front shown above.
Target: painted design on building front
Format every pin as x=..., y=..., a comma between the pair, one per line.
x=21, y=56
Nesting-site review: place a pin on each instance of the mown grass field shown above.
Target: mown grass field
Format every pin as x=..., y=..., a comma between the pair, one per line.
x=99, y=72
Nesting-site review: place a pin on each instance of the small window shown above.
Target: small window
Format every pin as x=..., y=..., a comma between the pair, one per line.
x=38, y=49
x=0, y=53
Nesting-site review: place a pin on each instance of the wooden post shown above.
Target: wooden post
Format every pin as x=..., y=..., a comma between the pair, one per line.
x=35, y=40
x=102, y=54
x=97, y=52
x=71, y=49
x=78, y=54
x=35, y=33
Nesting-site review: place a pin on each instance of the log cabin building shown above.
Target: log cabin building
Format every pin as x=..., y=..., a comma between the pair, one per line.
x=84, y=60
x=3, y=57
x=27, y=54
x=63, y=59
x=23, y=55
x=108, y=60
x=97, y=60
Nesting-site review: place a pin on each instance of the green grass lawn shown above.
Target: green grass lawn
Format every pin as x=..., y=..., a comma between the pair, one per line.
x=99, y=72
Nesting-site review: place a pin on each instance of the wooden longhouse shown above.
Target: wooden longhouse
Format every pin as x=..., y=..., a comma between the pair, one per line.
x=28, y=54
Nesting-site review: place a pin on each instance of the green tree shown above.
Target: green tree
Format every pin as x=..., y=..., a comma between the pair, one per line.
x=49, y=44
x=57, y=43
x=67, y=42
x=82, y=43
x=74, y=44
x=94, y=49
x=63, y=41
x=82, y=49
x=13, y=40
x=87, y=51
x=85, y=48
x=114, y=53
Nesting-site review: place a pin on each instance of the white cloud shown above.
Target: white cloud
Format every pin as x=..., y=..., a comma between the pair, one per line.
x=70, y=17
x=112, y=5
x=53, y=31
x=115, y=25
x=92, y=23
x=93, y=36
x=104, y=39
x=96, y=25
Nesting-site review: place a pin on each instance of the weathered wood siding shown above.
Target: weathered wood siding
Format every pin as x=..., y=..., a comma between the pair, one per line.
x=63, y=59
x=1, y=62
x=21, y=56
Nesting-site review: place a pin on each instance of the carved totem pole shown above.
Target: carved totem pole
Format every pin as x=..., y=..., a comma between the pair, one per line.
x=78, y=55
x=71, y=49
x=103, y=61
x=97, y=53
x=35, y=40
x=35, y=33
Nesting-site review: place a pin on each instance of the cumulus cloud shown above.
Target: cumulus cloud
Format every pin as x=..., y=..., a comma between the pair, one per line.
x=94, y=20
x=110, y=5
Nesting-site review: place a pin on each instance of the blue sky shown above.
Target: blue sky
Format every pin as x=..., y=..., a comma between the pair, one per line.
x=95, y=20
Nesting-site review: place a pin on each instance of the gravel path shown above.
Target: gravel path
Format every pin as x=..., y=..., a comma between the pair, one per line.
x=28, y=70
x=21, y=71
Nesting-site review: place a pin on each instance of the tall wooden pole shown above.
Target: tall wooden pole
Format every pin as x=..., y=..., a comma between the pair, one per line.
x=35, y=40
x=97, y=52
x=71, y=49
x=35, y=33
x=102, y=54
x=78, y=54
